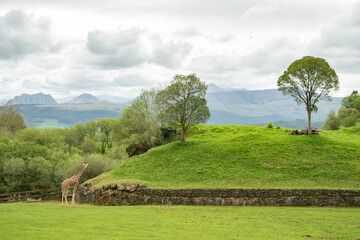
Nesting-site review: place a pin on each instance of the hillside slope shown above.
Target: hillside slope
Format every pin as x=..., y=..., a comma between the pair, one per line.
x=247, y=157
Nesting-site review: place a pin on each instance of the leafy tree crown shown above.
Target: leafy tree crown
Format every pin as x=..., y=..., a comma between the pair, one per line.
x=307, y=80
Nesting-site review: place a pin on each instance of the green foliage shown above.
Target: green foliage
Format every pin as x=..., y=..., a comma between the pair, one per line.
x=118, y=152
x=270, y=125
x=41, y=158
x=307, y=80
x=89, y=146
x=183, y=102
x=11, y=120
x=26, y=221
x=348, y=102
x=39, y=173
x=106, y=127
x=139, y=122
x=356, y=103
x=91, y=129
x=98, y=164
x=332, y=122
x=249, y=156
x=13, y=170
x=348, y=116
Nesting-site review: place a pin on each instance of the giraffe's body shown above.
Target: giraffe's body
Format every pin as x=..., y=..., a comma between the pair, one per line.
x=71, y=183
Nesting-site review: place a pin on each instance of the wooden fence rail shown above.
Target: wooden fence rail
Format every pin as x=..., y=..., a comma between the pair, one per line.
x=43, y=194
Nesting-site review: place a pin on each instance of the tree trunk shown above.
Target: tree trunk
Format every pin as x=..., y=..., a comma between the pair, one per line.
x=309, y=122
x=183, y=133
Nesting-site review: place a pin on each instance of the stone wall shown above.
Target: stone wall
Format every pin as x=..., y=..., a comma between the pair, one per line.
x=135, y=194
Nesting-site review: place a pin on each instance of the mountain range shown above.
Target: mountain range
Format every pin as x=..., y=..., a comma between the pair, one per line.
x=38, y=98
x=227, y=106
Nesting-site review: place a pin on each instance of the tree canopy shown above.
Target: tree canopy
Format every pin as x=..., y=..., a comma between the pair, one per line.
x=11, y=119
x=309, y=80
x=348, y=102
x=139, y=121
x=183, y=102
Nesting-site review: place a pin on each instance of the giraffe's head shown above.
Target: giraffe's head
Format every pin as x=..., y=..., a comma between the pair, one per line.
x=85, y=165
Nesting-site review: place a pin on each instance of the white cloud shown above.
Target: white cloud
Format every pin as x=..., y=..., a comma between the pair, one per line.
x=54, y=48
x=131, y=47
x=22, y=34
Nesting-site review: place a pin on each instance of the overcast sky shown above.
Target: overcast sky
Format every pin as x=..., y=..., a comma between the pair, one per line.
x=119, y=47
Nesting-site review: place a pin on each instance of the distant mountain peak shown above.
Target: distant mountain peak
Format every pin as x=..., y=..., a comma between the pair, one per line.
x=85, y=98
x=215, y=88
x=38, y=98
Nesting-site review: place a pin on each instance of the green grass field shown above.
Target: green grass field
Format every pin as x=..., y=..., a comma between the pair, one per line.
x=51, y=123
x=50, y=221
x=247, y=157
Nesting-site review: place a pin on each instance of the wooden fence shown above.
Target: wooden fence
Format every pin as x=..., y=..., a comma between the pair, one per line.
x=43, y=194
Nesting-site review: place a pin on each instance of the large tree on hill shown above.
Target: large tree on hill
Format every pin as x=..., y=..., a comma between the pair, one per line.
x=183, y=102
x=309, y=80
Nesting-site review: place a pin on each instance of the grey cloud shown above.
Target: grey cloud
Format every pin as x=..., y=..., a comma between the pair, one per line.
x=22, y=34
x=120, y=49
x=274, y=57
x=130, y=80
x=187, y=32
x=216, y=63
x=131, y=47
x=170, y=54
x=339, y=42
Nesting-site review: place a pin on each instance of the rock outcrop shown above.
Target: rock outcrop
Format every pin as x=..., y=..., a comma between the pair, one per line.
x=38, y=98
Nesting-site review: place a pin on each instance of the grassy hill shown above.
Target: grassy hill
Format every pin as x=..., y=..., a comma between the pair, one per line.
x=247, y=157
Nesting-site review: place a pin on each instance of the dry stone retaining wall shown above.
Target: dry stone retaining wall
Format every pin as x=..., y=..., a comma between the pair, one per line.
x=135, y=194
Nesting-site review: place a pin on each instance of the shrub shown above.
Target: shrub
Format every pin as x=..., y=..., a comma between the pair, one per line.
x=98, y=164
x=332, y=122
x=39, y=173
x=270, y=125
x=89, y=146
x=14, y=174
x=349, y=121
x=348, y=116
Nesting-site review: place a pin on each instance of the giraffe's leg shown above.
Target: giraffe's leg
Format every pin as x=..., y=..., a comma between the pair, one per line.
x=66, y=193
x=73, y=198
x=62, y=196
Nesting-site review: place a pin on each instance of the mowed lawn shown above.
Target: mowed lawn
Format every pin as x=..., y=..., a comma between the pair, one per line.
x=50, y=221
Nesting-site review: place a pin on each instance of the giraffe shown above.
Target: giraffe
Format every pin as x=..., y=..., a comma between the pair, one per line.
x=71, y=183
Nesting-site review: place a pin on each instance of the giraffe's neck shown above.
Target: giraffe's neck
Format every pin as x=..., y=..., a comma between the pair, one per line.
x=78, y=175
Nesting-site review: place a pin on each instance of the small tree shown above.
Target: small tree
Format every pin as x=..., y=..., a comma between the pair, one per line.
x=139, y=121
x=184, y=102
x=307, y=80
x=356, y=104
x=348, y=102
x=11, y=119
x=106, y=127
x=332, y=122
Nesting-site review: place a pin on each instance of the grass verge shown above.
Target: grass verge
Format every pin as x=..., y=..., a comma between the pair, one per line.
x=50, y=221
